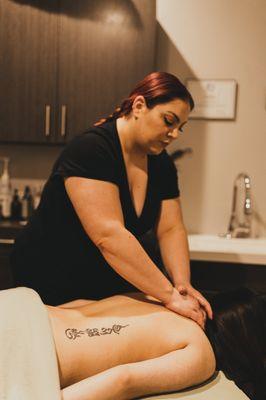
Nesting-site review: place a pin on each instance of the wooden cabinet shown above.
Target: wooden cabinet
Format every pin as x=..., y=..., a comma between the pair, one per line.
x=28, y=70
x=79, y=57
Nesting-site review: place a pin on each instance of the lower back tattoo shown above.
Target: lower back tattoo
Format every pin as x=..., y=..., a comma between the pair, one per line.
x=72, y=333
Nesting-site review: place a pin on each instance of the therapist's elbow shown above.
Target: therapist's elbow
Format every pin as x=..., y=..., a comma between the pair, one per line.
x=109, y=235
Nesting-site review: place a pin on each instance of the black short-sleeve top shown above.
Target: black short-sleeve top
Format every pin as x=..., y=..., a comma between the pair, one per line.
x=97, y=154
x=55, y=234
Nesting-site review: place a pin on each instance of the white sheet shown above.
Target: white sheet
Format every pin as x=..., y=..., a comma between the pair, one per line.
x=28, y=365
x=216, y=388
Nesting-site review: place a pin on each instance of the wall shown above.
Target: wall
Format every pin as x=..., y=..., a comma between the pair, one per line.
x=224, y=40
x=32, y=161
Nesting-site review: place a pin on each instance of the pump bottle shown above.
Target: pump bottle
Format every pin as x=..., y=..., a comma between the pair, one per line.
x=5, y=189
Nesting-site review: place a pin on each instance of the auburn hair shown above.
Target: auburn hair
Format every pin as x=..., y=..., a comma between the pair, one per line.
x=156, y=88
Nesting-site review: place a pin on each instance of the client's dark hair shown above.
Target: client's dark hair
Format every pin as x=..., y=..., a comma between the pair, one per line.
x=237, y=334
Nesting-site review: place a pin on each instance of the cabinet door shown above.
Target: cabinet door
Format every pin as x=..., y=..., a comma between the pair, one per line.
x=28, y=52
x=105, y=48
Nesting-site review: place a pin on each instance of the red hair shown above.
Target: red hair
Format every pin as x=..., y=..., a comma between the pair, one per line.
x=156, y=88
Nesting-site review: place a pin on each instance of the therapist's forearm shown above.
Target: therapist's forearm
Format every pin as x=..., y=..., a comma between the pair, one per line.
x=125, y=255
x=175, y=255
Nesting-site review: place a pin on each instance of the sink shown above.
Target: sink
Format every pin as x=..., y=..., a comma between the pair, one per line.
x=215, y=248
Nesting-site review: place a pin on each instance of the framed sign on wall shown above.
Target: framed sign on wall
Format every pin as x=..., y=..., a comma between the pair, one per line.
x=214, y=98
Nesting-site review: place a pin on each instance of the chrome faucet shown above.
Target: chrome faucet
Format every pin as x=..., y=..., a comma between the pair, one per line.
x=237, y=228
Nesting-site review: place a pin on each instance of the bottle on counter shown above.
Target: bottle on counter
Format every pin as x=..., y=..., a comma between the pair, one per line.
x=37, y=197
x=1, y=215
x=27, y=204
x=5, y=190
x=16, y=207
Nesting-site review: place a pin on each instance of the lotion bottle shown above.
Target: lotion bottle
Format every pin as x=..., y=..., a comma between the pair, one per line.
x=27, y=204
x=5, y=189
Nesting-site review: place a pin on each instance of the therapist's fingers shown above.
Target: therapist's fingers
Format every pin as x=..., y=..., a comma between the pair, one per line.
x=204, y=313
x=198, y=317
x=197, y=295
x=206, y=305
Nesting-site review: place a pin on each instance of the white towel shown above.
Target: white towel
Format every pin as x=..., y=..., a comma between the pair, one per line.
x=28, y=364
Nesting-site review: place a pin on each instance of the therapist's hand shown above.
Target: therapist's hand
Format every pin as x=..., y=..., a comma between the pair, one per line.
x=188, y=306
x=187, y=288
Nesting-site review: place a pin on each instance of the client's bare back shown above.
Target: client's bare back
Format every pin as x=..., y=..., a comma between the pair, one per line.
x=92, y=336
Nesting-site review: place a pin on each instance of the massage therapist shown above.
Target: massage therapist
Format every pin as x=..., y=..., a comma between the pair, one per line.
x=109, y=186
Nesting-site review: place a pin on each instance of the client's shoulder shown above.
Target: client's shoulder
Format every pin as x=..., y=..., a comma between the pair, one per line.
x=198, y=340
x=195, y=342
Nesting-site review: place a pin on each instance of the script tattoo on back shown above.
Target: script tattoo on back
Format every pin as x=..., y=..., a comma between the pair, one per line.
x=72, y=333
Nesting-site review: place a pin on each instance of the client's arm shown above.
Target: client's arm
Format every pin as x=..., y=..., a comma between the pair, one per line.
x=107, y=385
x=171, y=372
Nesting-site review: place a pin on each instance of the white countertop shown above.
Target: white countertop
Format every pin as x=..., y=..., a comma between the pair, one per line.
x=214, y=248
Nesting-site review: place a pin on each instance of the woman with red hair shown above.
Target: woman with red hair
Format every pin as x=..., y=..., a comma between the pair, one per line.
x=110, y=186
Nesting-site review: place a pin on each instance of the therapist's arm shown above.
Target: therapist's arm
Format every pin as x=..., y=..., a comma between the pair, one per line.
x=98, y=207
x=173, y=243
x=172, y=239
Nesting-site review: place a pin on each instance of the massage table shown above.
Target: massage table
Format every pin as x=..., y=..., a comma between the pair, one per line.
x=28, y=363
x=216, y=388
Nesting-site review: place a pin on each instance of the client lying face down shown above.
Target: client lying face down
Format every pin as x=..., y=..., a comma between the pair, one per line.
x=130, y=345
x=238, y=338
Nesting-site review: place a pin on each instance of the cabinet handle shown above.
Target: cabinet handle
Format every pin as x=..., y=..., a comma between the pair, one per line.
x=63, y=120
x=47, y=120
x=7, y=241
